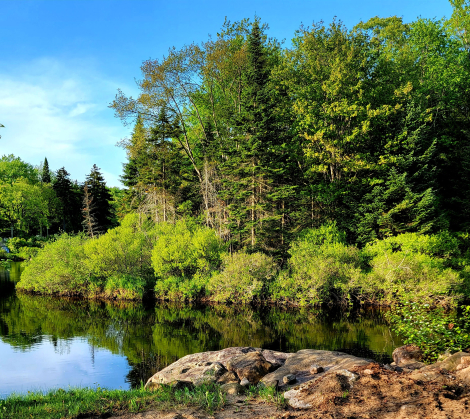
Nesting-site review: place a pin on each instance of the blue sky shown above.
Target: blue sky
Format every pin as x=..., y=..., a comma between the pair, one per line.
x=62, y=61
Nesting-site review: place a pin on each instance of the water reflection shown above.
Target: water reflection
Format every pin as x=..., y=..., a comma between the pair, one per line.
x=148, y=336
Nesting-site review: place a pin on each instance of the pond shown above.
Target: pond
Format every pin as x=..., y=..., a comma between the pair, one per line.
x=50, y=342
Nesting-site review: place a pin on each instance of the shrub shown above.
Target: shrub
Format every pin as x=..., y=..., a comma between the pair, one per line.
x=125, y=287
x=401, y=275
x=183, y=258
x=58, y=268
x=434, y=329
x=442, y=246
x=244, y=277
x=321, y=268
x=121, y=254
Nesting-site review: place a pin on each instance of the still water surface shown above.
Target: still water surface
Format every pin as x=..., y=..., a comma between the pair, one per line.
x=50, y=342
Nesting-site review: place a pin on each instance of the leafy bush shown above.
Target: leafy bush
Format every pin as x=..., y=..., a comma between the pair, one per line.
x=443, y=246
x=125, y=287
x=321, y=268
x=183, y=258
x=58, y=268
x=434, y=329
x=401, y=275
x=121, y=254
x=244, y=277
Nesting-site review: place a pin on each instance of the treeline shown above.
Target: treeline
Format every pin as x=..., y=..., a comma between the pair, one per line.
x=368, y=127
x=37, y=201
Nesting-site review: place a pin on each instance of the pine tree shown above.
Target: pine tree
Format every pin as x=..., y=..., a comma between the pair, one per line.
x=96, y=186
x=46, y=174
x=69, y=196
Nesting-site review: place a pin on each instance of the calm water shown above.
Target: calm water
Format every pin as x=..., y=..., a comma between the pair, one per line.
x=49, y=342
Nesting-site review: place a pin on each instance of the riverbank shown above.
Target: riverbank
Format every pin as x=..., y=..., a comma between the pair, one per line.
x=247, y=382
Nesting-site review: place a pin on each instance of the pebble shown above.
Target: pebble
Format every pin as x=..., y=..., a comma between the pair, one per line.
x=316, y=369
x=289, y=379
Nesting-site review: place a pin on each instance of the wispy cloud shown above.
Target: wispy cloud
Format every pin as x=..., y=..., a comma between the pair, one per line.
x=59, y=110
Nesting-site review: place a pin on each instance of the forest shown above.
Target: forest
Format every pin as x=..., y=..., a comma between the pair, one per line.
x=332, y=169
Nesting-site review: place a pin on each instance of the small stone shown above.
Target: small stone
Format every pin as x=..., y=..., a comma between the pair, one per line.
x=368, y=371
x=289, y=379
x=465, y=360
x=231, y=388
x=316, y=369
x=244, y=382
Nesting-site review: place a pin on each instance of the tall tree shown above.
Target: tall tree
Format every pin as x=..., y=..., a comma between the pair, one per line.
x=46, y=174
x=102, y=198
x=69, y=197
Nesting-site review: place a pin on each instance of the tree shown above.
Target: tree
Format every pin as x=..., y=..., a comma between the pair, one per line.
x=96, y=188
x=89, y=222
x=69, y=197
x=46, y=174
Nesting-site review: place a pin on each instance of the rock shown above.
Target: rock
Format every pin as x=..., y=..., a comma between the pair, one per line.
x=244, y=382
x=464, y=375
x=228, y=377
x=316, y=369
x=232, y=388
x=300, y=363
x=199, y=367
x=321, y=390
x=289, y=379
x=426, y=376
x=407, y=354
x=368, y=371
x=449, y=364
x=252, y=366
x=413, y=366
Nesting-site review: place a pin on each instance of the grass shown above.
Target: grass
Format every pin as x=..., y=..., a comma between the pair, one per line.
x=268, y=394
x=79, y=402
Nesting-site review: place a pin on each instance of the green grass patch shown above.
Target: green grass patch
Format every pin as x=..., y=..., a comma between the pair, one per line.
x=77, y=402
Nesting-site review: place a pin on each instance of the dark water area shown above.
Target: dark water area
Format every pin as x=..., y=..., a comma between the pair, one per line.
x=50, y=342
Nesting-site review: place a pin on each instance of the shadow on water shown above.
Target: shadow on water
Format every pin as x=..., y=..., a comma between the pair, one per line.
x=152, y=336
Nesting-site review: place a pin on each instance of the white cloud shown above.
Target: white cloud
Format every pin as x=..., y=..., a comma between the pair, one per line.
x=59, y=110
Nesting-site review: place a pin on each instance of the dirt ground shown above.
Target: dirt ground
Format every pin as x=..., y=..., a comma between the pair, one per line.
x=377, y=394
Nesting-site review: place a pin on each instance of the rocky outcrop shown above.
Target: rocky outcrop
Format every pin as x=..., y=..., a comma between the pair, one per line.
x=213, y=366
x=309, y=378
x=309, y=364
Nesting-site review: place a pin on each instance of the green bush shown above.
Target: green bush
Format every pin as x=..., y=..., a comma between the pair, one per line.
x=122, y=253
x=321, y=268
x=401, y=275
x=183, y=258
x=244, y=277
x=58, y=268
x=443, y=246
x=434, y=329
x=125, y=287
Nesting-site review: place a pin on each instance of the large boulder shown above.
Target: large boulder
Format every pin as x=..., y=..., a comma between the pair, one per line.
x=210, y=366
x=407, y=354
x=300, y=364
x=251, y=366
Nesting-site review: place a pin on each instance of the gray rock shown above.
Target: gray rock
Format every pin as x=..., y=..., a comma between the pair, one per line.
x=244, y=382
x=228, y=377
x=252, y=366
x=289, y=379
x=407, y=354
x=316, y=369
x=299, y=364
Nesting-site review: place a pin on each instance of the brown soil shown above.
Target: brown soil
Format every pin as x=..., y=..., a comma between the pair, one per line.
x=378, y=394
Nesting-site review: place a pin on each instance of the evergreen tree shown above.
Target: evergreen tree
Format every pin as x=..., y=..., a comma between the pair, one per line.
x=46, y=174
x=96, y=188
x=69, y=197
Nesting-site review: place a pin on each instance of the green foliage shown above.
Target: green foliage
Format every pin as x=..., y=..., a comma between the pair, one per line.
x=243, y=278
x=434, y=329
x=122, y=256
x=321, y=268
x=401, y=275
x=183, y=258
x=59, y=268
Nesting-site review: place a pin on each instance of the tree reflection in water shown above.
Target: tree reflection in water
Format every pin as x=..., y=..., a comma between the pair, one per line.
x=152, y=336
